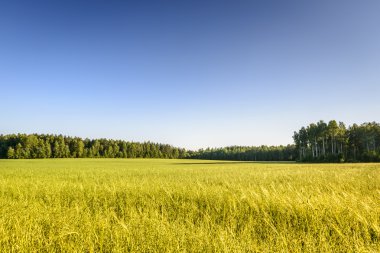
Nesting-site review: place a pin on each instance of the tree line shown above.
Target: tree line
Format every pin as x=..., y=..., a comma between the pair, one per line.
x=317, y=142
x=29, y=146
x=334, y=142
x=244, y=153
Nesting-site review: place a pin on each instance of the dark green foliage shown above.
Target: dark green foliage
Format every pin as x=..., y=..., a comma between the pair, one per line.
x=239, y=153
x=333, y=142
x=318, y=142
x=23, y=146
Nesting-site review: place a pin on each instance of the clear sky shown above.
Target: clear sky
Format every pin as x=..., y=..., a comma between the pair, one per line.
x=188, y=73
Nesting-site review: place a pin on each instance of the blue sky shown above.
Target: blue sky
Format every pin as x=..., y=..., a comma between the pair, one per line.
x=189, y=73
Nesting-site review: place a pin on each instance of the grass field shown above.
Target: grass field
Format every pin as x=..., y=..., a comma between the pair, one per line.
x=117, y=205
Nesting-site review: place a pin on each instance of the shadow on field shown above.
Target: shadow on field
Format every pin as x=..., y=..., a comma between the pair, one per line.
x=233, y=162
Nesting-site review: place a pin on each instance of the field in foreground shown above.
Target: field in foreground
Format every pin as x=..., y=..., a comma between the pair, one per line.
x=117, y=205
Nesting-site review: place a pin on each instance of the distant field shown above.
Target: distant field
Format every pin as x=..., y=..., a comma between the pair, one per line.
x=118, y=205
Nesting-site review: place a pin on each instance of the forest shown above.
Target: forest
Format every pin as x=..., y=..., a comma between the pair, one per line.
x=317, y=142
x=243, y=153
x=23, y=146
x=334, y=142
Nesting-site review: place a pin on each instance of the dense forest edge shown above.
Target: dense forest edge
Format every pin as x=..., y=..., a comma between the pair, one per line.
x=334, y=142
x=317, y=142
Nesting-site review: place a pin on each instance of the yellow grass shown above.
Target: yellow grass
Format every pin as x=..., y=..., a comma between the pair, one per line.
x=118, y=205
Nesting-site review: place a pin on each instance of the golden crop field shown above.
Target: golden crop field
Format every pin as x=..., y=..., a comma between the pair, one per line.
x=152, y=205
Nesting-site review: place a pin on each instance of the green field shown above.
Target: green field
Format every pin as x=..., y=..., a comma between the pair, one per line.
x=119, y=205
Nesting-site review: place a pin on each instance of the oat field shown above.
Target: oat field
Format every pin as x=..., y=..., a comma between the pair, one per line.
x=158, y=205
